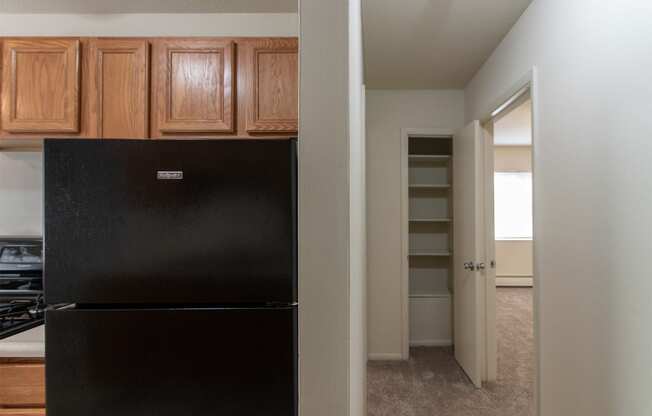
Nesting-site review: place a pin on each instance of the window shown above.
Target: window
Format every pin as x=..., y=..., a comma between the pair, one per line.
x=513, y=205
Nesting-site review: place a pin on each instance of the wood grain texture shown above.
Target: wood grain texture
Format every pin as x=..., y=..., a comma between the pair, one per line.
x=273, y=101
x=118, y=88
x=104, y=112
x=41, y=83
x=194, y=85
x=22, y=385
x=22, y=412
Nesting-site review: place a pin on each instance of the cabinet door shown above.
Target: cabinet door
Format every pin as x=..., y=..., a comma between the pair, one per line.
x=119, y=88
x=273, y=102
x=40, y=86
x=194, y=86
x=22, y=385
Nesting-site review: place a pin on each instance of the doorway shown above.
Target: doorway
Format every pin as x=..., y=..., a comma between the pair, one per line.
x=427, y=238
x=509, y=133
x=431, y=380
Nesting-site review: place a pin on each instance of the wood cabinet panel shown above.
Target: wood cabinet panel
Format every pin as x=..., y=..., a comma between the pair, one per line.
x=118, y=88
x=194, y=86
x=273, y=102
x=40, y=85
x=22, y=412
x=22, y=385
x=100, y=87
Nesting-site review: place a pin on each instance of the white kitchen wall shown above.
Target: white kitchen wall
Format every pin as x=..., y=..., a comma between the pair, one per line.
x=21, y=184
x=592, y=196
x=161, y=24
x=388, y=111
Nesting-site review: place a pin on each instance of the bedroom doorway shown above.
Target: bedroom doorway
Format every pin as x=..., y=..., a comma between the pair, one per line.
x=511, y=339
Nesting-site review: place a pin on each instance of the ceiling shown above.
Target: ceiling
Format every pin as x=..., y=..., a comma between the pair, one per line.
x=148, y=6
x=432, y=43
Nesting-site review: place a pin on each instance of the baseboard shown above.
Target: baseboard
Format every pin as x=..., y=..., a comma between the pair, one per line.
x=432, y=343
x=514, y=281
x=384, y=356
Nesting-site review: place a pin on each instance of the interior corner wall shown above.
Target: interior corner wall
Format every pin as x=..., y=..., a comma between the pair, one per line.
x=592, y=199
x=324, y=210
x=357, y=219
x=388, y=111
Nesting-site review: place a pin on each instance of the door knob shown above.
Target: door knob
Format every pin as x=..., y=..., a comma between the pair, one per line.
x=469, y=266
x=479, y=266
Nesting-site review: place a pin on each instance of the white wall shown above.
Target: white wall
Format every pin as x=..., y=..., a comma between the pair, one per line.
x=514, y=125
x=592, y=196
x=146, y=6
x=513, y=159
x=324, y=250
x=207, y=24
x=387, y=112
x=514, y=261
x=357, y=218
x=21, y=200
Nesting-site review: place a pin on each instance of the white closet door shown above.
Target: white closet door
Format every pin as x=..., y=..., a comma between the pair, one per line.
x=468, y=163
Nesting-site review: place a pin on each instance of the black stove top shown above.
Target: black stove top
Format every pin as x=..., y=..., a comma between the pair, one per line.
x=21, y=285
x=18, y=315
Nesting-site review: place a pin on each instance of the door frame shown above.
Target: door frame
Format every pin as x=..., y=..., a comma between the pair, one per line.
x=406, y=133
x=528, y=81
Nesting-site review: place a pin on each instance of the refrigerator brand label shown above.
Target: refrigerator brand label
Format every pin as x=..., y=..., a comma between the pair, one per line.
x=166, y=175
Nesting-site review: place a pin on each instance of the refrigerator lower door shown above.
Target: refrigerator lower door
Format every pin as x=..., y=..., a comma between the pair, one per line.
x=171, y=362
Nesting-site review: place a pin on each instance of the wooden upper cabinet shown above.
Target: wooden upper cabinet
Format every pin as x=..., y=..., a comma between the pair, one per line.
x=194, y=86
x=148, y=87
x=40, y=85
x=273, y=102
x=118, y=88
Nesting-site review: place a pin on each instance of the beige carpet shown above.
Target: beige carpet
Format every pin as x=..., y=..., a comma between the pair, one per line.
x=432, y=384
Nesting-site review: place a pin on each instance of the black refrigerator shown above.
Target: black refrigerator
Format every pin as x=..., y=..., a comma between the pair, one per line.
x=178, y=260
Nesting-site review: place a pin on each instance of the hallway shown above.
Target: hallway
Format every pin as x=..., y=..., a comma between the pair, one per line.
x=432, y=384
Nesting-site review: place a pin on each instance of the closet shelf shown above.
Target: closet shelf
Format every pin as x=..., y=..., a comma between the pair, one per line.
x=445, y=295
x=431, y=220
x=430, y=253
x=429, y=158
x=429, y=186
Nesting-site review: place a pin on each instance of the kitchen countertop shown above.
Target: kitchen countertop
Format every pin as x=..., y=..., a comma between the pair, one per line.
x=28, y=344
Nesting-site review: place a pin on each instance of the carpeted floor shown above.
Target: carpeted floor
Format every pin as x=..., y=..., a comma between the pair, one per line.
x=432, y=384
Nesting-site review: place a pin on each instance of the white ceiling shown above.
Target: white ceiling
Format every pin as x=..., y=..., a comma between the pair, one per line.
x=432, y=43
x=148, y=6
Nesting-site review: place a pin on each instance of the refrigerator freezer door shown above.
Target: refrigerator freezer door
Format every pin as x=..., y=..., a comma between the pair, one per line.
x=170, y=221
x=236, y=362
